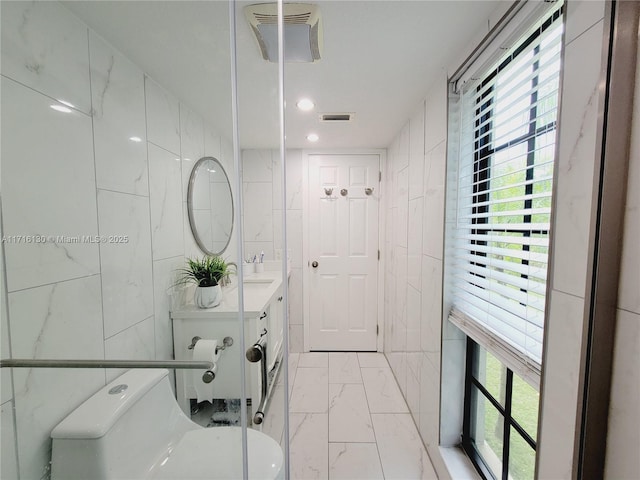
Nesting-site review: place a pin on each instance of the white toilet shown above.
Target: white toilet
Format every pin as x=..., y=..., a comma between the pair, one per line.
x=134, y=429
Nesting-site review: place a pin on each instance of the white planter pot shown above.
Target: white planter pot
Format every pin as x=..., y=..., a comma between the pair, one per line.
x=207, y=297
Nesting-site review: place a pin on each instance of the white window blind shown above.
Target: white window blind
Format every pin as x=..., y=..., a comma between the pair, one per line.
x=499, y=246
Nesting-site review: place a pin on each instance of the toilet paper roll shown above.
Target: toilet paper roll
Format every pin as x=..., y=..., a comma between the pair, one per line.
x=204, y=350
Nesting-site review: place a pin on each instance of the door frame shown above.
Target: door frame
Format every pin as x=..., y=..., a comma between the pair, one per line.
x=382, y=207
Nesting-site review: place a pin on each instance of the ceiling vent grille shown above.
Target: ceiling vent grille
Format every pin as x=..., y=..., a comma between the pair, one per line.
x=295, y=19
x=302, y=31
x=336, y=117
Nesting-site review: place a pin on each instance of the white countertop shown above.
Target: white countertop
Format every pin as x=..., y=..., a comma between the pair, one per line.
x=259, y=291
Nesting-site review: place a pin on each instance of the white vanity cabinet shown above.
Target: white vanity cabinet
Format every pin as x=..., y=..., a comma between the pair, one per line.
x=263, y=311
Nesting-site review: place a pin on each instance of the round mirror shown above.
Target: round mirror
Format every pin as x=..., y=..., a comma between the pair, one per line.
x=210, y=206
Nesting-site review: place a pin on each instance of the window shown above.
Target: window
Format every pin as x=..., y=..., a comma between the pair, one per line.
x=498, y=249
x=503, y=213
x=501, y=418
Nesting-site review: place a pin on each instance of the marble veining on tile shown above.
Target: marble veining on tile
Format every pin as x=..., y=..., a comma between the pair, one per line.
x=9, y=465
x=164, y=273
x=127, y=281
x=310, y=391
x=309, y=446
x=69, y=187
x=163, y=117
x=134, y=343
x=119, y=122
x=294, y=180
x=375, y=360
x=354, y=461
x=383, y=393
x=344, y=368
x=575, y=164
x=313, y=359
x=414, y=243
x=431, y=304
x=434, y=193
x=165, y=202
x=46, y=323
x=416, y=152
x=361, y=444
x=413, y=319
x=349, y=419
x=43, y=397
x=401, y=451
x=45, y=48
x=191, y=143
x=258, y=212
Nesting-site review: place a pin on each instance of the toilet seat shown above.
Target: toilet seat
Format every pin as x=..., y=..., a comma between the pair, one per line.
x=216, y=453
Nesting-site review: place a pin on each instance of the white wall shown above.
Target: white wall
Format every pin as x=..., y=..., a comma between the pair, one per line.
x=78, y=173
x=262, y=197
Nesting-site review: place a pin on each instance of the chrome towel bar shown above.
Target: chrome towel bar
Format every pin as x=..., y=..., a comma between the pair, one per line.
x=54, y=363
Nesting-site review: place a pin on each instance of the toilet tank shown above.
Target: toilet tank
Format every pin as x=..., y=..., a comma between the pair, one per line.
x=122, y=431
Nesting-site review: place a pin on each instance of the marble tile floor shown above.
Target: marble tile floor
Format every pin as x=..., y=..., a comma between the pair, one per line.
x=348, y=420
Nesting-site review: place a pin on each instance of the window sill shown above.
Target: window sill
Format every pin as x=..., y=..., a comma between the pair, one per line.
x=458, y=464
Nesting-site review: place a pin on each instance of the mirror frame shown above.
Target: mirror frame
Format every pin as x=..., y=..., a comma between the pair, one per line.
x=192, y=223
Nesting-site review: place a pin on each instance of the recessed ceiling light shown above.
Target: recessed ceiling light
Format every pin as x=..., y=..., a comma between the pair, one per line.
x=305, y=104
x=135, y=139
x=60, y=108
x=312, y=137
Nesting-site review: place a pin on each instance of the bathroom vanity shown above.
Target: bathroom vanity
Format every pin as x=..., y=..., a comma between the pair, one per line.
x=263, y=322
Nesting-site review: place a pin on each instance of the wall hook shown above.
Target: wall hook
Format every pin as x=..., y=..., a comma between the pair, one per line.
x=368, y=190
x=328, y=191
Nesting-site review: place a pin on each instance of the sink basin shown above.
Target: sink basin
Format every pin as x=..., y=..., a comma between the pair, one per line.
x=263, y=281
x=256, y=285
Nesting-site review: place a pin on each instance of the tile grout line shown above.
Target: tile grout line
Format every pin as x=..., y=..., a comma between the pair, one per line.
x=371, y=417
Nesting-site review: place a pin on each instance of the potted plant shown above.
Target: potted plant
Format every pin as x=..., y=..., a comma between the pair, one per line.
x=207, y=274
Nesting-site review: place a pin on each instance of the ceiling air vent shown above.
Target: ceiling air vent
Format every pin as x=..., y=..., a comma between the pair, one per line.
x=336, y=117
x=302, y=31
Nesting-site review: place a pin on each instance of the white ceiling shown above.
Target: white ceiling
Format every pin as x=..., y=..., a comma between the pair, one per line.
x=379, y=58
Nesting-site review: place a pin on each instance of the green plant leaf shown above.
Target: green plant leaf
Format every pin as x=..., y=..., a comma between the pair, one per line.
x=207, y=271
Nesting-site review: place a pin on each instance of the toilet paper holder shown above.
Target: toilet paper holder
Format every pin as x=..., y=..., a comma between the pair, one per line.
x=209, y=375
x=226, y=342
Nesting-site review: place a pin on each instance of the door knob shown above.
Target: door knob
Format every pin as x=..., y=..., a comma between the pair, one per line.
x=314, y=264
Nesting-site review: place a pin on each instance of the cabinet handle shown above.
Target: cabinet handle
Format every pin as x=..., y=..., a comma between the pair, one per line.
x=280, y=299
x=264, y=315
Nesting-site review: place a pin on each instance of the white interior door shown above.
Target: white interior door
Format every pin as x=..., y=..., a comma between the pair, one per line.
x=343, y=252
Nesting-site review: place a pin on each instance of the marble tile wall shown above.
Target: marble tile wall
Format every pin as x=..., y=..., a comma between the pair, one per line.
x=576, y=167
x=415, y=174
x=116, y=164
x=262, y=217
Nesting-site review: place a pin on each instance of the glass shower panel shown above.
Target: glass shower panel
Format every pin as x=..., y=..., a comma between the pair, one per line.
x=259, y=136
x=106, y=108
